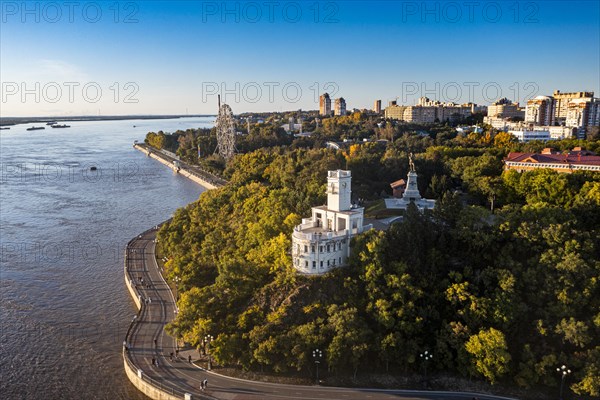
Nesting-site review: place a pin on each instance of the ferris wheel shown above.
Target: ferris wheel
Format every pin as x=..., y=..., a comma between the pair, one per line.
x=225, y=131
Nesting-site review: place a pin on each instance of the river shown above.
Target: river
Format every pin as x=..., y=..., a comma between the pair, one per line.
x=64, y=307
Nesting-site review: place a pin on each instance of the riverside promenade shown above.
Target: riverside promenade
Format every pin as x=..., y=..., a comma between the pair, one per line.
x=146, y=348
x=177, y=378
x=193, y=172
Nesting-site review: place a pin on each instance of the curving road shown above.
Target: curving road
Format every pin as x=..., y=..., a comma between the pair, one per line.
x=148, y=340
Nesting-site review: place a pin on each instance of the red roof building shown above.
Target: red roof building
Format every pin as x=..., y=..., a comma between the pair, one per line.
x=576, y=160
x=398, y=188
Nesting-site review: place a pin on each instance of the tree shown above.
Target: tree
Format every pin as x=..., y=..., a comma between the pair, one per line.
x=593, y=133
x=504, y=139
x=511, y=293
x=490, y=353
x=350, y=338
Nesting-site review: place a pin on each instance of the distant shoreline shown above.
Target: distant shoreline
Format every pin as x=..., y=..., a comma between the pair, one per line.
x=9, y=121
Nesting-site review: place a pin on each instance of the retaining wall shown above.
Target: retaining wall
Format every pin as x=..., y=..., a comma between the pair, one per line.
x=151, y=388
x=180, y=170
x=156, y=393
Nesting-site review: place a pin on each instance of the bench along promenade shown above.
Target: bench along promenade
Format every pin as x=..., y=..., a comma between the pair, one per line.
x=161, y=370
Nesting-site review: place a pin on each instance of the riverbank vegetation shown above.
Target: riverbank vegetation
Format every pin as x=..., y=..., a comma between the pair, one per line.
x=499, y=282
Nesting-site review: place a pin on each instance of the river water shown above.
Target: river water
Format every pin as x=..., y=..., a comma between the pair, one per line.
x=64, y=307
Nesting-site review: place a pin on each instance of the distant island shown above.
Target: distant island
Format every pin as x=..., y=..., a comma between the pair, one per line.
x=7, y=121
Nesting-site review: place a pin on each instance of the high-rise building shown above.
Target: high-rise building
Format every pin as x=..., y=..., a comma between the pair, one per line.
x=581, y=114
x=340, y=106
x=428, y=111
x=394, y=111
x=561, y=103
x=504, y=108
x=377, y=106
x=325, y=104
x=594, y=113
x=539, y=110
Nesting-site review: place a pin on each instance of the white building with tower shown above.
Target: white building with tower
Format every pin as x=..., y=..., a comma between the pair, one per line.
x=322, y=242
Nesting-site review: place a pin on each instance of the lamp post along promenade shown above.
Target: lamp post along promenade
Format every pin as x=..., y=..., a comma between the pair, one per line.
x=317, y=355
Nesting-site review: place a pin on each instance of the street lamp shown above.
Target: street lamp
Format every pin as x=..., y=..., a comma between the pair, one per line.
x=426, y=356
x=177, y=280
x=564, y=371
x=317, y=355
x=207, y=340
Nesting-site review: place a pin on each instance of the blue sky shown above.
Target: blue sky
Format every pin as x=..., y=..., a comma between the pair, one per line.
x=154, y=57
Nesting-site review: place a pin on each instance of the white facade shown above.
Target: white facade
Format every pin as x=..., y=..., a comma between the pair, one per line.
x=528, y=136
x=560, y=132
x=499, y=123
x=322, y=242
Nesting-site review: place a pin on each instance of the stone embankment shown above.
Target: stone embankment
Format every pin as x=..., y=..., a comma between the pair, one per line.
x=192, y=172
x=145, y=336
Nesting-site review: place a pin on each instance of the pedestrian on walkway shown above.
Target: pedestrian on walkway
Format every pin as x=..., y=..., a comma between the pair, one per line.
x=171, y=356
x=205, y=384
x=154, y=342
x=157, y=362
x=153, y=361
x=190, y=358
x=202, y=386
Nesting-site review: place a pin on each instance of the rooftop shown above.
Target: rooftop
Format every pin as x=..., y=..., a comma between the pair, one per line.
x=345, y=212
x=548, y=156
x=397, y=184
x=338, y=174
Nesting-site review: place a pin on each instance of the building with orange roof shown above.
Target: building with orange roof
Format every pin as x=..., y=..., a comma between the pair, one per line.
x=577, y=159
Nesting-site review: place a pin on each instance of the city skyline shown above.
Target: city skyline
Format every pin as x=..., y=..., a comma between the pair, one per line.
x=175, y=58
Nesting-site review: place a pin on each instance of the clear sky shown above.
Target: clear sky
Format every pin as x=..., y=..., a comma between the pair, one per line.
x=155, y=57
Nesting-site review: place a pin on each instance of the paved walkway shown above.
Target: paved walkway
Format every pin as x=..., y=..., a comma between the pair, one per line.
x=192, y=169
x=148, y=340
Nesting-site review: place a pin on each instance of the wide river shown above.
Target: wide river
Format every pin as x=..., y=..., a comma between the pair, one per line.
x=64, y=307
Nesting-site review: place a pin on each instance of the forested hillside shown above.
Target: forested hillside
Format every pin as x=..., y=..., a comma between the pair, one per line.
x=504, y=295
